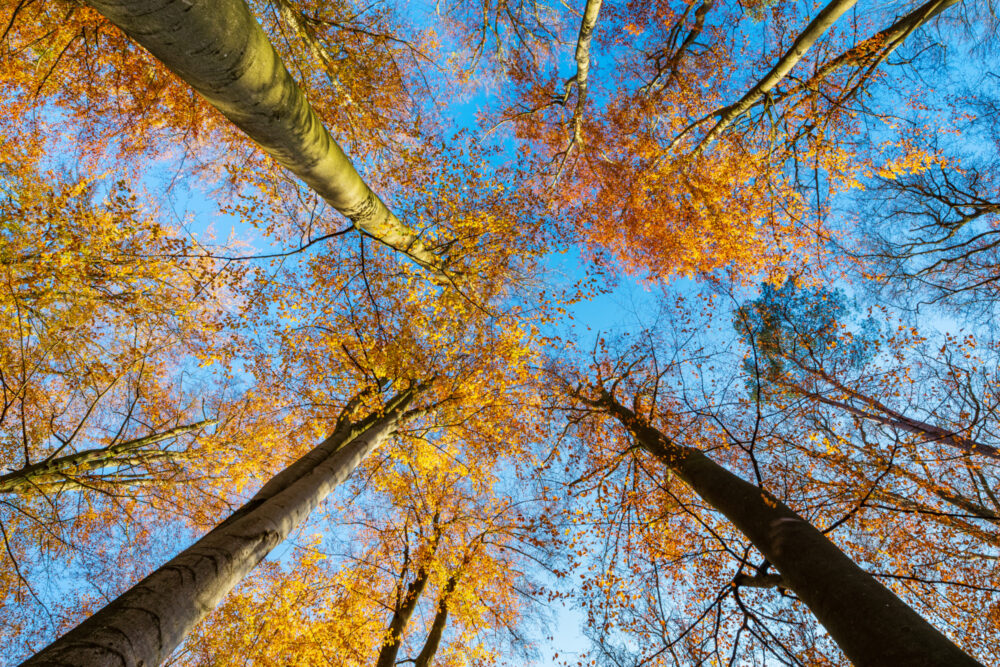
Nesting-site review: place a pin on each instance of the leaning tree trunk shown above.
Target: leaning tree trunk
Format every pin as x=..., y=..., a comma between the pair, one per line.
x=869, y=52
x=879, y=46
x=871, y=625
x=220, y=50
x=144, y=624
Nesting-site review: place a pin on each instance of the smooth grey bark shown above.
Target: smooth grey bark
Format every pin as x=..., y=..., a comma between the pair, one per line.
x=871, y=625
x=220, y=50
x=143, y=625
x=59, y=473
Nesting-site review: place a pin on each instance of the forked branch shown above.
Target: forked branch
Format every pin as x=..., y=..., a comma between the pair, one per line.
x=64, y=472
x=580, y=79
x=806, y=39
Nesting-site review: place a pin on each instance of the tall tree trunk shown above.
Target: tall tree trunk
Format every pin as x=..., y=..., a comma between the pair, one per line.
x=426, y=655
x=880, y=45
x=400, y=618
x=58, y=473
x=407, y=603
x=869, y=623
x=143, y=625
x=869, y=52
x=293, y=18
x=582, y=56
x=220, y=50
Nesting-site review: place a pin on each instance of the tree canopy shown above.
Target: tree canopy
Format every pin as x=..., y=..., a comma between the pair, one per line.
x=488, y=332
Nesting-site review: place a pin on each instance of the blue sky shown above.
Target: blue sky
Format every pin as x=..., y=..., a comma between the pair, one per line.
x=630, y=305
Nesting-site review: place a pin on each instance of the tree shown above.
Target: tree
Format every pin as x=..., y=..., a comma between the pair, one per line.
x=419, y=567
x=939, y=238
x=720, y=142
x=837, y=591
x=900, y=426
x=146, y=623
x=648, y=191
x=371, y=320
x=246, y=80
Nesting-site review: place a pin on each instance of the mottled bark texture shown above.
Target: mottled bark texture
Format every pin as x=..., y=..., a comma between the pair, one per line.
x=220, y=50
x=872, y=626
x=580, y=79
x=149, y=620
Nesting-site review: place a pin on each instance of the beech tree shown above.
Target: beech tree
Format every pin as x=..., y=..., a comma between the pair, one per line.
x=146, y=623
x=780, y=483
x=246, y=80
x=419, y=567
x=836, y=590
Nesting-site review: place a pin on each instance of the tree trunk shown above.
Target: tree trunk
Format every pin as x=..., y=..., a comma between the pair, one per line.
x=870, y=624
x=220, y=50
x=875, y=49
x=582, y=57
x=293, y=18
x=426, y=655
x=882, y=43
x=143, y=625
x=400, y=618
